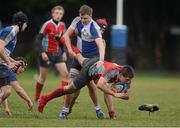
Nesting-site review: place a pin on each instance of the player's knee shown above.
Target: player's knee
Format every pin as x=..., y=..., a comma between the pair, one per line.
x=41, y=78
x=8, y=91
x=65, y=75
x=5, y=92
x=71, y=88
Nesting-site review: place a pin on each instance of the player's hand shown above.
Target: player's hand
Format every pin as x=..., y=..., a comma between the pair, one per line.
x=99, y=63
x=71, y=53
x=64, y=56
x=20, y=70
x=12, y=65
x=44, y=56
x=30, y=105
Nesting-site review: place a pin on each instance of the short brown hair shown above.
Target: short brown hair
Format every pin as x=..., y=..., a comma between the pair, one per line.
x=85, y=9
x=59, y=7
x=127, y=71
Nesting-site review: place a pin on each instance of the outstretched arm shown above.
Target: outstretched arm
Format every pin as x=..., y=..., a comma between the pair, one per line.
x=67, y=36
x=22, y=93
x=101, y=84
x=101, y=47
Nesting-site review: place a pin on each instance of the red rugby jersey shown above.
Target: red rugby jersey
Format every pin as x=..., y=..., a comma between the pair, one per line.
x=107, y=70
x=49, y=30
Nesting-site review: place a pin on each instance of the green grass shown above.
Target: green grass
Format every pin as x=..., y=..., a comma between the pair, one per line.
x=146, y=88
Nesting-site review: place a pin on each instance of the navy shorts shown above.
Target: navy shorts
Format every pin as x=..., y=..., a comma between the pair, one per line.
x=7, y=75
x=83, y=78
x=54, y=58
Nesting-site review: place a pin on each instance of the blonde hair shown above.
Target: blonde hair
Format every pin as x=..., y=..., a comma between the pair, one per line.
x=58, y=7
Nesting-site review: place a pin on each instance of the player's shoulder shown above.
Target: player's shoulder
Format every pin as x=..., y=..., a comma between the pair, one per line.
x=7, y=30
x=94, y=24
x=76, y=20
x=62, y=23
x=48, y=22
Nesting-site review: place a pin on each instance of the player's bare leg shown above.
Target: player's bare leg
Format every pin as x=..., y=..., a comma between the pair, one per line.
x=109, y=104
x=93, y=94
x=22, y=93
x=56, y=93
x=62, y=69
x=40, y=82
x=6, y=107
x=5, y=91
x=70, y=98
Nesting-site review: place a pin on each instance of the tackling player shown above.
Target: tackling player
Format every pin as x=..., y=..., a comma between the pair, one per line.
x=50, y=52
x=89, y=42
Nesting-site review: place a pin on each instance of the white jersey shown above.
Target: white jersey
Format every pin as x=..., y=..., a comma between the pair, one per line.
x=87, y=34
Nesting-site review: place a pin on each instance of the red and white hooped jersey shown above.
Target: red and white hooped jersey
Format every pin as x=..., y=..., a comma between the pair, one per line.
x=49, y=31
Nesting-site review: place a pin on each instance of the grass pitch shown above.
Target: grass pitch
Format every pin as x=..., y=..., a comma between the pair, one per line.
x=162, y=89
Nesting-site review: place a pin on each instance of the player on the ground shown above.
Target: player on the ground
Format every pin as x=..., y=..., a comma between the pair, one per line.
x=9, y=66
x=89, y=42
x=105, y=73
x=50, y=52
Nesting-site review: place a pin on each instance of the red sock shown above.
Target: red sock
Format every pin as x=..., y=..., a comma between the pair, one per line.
x=56, y=93
x=38, y=90
x=63, y=83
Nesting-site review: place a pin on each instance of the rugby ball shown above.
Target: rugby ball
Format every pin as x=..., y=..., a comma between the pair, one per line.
x=119, y=87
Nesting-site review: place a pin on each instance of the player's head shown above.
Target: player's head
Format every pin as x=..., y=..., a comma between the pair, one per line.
x=126, y=74
x=85, y=13
x=102, y=24
x=57, y=12
x=20, y=19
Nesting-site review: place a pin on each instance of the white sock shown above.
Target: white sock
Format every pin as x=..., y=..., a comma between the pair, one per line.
x=97, y=107
x=65, y=109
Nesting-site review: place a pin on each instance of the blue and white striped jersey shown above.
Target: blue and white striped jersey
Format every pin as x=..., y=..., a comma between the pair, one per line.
x=8, y=35
x=87, y=34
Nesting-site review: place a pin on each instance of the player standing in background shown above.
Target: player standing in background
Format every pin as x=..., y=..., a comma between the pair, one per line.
x=8, y=38
x=89, y=42
x=50, y=52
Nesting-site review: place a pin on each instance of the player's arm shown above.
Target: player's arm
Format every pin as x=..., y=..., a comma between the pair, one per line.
x=71, y=31
x=95, y=31
x=2, y=52
x=67, y=35
x=101, y=47
x=39, y=38
x=4, y=57
x=101, y=84
x=22, y=93
x=124, y=95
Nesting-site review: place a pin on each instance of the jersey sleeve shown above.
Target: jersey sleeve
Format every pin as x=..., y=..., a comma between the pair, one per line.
x=74, y=22
x=44, y=30
x=95, y=30
x=7, y=35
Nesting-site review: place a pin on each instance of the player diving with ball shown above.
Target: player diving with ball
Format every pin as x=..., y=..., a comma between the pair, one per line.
x=118, y=76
